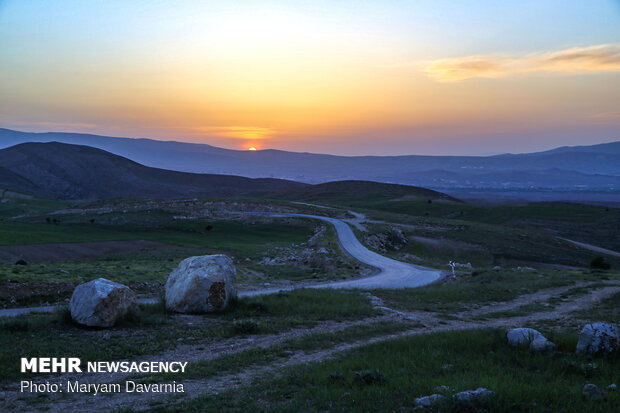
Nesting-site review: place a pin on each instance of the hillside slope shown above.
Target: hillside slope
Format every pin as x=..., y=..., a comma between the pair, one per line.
x=66, y=171
x=581, y=168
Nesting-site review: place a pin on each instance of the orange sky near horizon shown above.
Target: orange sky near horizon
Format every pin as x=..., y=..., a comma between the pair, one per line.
x=312, y=76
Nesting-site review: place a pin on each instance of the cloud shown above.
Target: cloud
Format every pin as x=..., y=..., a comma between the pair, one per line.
x=606, y=115
x=53, y=125
x=235, y=132
x=576, y=60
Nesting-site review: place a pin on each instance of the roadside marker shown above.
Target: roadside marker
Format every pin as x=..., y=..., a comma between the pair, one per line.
x=452, y=264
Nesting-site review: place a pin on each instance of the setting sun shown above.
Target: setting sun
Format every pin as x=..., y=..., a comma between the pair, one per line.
x=251, y=148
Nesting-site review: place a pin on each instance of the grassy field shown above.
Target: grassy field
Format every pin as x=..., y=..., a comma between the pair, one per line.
x=156, y=330
x=438, y=241
x=387, y=377
x=486, y=287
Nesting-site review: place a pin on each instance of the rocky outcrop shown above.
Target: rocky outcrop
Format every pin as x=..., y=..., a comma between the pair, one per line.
x=598, y=339
x=528, y=337
x=101, y=303
x=201, y=284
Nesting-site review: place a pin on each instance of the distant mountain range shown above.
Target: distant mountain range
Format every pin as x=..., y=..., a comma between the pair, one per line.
x=66, y=171
x=581, y=168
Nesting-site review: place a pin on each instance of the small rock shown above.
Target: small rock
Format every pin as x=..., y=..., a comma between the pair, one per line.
x=528, y=337
x=447, y=367
x=473, y=396
x=106, y=336
x=428, y=401
x=612, y=387
x=598, y=339
x=592, y=392
x=497, y=268
x=442, y=389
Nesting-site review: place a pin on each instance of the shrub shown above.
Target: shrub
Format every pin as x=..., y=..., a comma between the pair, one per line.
x=366, y=377
x=248, y=326
x=599, y=263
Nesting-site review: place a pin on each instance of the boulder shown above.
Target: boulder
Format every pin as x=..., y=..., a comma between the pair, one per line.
x=598, y=339
x=101, y=303
x=432, y=400
x=528, y=337
x=592, y=392
x=541, y=344
x=201, y=284
x=473, y=396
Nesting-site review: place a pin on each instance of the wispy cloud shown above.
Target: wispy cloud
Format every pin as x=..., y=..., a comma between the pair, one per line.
x=50, y=125
x=576, y=60
x=235, y=132
x=606, y=115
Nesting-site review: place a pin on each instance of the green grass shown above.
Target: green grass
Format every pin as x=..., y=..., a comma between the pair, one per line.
x=237, y=237
x=606, y=310
x=468, y=293
x=484, y=244
x=413, y=367
x=255, y=357
x=39, y=335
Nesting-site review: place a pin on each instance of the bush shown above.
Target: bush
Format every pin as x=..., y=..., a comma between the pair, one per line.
x=365, y=377
x=599, y=263
x=248, y=326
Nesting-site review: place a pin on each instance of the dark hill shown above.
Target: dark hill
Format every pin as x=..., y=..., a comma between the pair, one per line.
x=347, y=191
x=66, y=171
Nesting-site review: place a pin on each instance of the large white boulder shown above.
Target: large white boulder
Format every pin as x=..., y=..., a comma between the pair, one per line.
x=598, y=338
x=101, y=303
x=201, y=284
x=528, y=337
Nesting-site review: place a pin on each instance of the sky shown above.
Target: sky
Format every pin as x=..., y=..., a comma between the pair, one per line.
x=344, y=77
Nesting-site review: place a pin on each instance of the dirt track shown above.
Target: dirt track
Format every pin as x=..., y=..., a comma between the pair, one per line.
x=229, y=381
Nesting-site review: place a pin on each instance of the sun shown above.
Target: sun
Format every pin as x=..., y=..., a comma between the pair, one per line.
x=251, y=148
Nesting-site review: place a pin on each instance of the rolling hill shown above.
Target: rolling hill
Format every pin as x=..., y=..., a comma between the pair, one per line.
x=65, y=171
x=581, y=168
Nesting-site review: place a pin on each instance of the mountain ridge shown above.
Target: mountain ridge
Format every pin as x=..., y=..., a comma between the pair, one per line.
x=67, y=171
x=593, y=168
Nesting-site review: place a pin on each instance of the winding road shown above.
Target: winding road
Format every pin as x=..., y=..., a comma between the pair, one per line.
x=391, y=273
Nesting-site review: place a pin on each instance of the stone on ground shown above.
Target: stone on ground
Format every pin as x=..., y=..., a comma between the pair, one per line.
x=201, y=284
x=598, y=339
x=592, y=392
x=528, y=337
x=473, y=396
x=101, y=303
x=432, y=400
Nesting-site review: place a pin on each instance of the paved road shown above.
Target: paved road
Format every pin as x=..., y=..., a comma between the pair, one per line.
x=391, y=273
